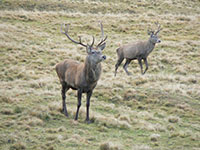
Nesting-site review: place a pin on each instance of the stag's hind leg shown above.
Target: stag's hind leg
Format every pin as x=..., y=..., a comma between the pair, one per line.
x=119, y=61
x=65, y=88
x=126, y=66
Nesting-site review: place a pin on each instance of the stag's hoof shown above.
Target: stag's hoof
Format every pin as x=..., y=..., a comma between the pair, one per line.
x=65, y=113
x=115, y=74
x=129, y=74
x=143, y=73
x=88, y=121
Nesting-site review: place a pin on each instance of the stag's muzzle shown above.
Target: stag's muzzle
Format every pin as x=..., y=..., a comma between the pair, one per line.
x=158, y=41
x=104, y=57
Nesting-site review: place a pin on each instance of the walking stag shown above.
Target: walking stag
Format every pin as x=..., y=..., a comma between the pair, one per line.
x=137, y=50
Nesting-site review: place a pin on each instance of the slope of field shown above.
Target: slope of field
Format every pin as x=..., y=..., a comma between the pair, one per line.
x=158, y=110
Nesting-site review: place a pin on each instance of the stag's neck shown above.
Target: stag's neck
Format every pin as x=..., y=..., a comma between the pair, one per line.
x=150, y=46
x=92, y=71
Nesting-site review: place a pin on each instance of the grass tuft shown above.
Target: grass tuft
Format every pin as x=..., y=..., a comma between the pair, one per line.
x=154, y=137
x=109, y=146
x=18, y=146
x=173, y=119
x=141, y=147
x=7, y=111
x=35, y=122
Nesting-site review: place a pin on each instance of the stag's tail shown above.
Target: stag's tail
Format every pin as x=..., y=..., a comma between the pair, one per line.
x=117, y=50
x=120, y=59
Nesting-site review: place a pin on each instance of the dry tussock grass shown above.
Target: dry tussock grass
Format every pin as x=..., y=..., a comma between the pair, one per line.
x=18, y=146
x=162, y=103
x=35, y=122
x=110, y=146
x=111, y=121
x=146, y=125
x=173, y=119
x=141, y=147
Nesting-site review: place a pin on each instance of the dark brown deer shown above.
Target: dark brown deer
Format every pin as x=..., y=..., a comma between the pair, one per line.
x=82, y=77
x=137, y=50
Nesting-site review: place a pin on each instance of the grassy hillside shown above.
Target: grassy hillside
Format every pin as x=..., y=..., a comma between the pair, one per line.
x=158, y=110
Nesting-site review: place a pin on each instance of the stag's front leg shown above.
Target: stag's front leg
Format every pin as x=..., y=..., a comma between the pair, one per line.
x=140, y=63
x=63, y=93
x=126, y=66
x=79, y=103
x=89, y=94
x=146, y=64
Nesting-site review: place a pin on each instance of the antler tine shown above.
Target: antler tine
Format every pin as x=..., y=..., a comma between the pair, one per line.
x=93, y=39
x=61, y=28
x=102, y=34
x=66, y=33
x=159, y=27
x=149, y=30
x=102, y=41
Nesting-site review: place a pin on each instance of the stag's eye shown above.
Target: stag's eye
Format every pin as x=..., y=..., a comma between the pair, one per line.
x=93, y=52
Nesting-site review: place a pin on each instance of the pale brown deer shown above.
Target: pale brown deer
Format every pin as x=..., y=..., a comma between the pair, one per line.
x=137, y=50
x=82, y=77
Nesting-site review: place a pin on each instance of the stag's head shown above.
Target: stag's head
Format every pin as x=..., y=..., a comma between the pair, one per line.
x=154, y=38
x=94, y=52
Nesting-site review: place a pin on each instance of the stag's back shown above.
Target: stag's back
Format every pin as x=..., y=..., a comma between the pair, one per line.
x=134, y=50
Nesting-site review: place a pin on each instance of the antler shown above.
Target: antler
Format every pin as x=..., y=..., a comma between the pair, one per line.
x=102, y=35
x=150, y=31
x=77, y=42
x=159, y=28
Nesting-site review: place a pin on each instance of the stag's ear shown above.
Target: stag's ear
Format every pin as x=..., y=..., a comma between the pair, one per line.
x=150, y=33
x=102, y=46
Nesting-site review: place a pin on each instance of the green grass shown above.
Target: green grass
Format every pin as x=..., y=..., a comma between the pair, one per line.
x=159, y=110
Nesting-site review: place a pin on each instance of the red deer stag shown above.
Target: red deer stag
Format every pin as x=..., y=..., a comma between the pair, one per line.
x=137, y=50
x=82, y=77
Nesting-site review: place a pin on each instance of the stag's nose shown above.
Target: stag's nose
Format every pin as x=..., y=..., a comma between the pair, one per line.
x=159, y=41
x=104, y=57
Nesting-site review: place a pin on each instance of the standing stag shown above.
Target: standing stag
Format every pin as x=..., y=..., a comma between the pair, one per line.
x=137, y=50
x=82, y=77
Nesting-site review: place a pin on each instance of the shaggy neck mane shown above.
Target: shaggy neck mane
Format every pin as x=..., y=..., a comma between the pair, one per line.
x=92, y=71
x=151, y=45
